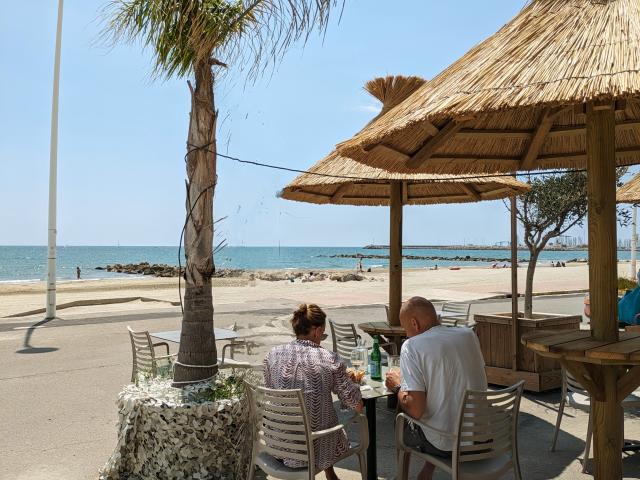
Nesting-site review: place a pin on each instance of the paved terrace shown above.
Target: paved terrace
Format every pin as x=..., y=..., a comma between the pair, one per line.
x=59, y=384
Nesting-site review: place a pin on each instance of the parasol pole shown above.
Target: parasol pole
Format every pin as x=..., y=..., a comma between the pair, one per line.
x=53, y=176
x=603, y=285
x=395, y=253
x=515, y=324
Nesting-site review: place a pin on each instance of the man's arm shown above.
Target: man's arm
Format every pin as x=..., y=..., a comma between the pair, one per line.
x=413, y=403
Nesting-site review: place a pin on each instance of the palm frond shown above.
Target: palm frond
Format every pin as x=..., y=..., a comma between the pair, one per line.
x=181, y=33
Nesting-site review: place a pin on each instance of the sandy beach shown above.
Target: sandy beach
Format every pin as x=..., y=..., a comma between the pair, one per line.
x=140, y=293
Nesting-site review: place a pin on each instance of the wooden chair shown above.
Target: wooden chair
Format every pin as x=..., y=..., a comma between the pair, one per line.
x=283, y=431
x=578, y=397
x=455, y=314
x=145, y=359
x=486, y=443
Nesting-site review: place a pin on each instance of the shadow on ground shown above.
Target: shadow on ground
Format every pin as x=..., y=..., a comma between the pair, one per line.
x=26, y=343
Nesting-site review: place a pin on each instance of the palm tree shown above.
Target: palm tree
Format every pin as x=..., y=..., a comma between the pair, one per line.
x=197, y=39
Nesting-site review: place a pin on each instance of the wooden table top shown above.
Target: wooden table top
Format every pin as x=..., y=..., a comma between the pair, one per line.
x=579, y=346
x=382, y=328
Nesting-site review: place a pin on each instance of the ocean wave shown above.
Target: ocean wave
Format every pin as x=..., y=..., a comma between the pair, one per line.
x=28, y=280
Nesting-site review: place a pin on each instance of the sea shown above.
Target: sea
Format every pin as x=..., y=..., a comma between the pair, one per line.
x=29, y=263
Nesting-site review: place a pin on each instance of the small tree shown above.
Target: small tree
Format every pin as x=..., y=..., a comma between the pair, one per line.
x=555, y=204
x=197, y=39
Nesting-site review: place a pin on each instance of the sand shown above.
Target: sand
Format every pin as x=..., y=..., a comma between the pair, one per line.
x=137, y=293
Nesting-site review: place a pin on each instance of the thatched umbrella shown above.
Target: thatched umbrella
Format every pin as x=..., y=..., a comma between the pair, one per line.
x=557, y=86
x=343, y=181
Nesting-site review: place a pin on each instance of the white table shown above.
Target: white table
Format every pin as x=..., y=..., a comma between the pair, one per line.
x=174, y=335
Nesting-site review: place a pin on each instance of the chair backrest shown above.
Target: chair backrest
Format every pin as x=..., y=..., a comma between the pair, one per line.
x=143, y=354
x=571, y=384
x=345, y=338
x=282, y=426
x=487, y=427
x=454, y=314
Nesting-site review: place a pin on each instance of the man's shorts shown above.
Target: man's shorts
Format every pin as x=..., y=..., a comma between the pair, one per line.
x=414, y=438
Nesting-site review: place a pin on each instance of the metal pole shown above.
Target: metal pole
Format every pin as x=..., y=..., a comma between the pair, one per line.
x=53, y=176
x=515, y=323
x=634, y=243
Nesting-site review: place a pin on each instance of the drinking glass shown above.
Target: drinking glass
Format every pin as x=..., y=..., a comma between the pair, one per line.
x=359, y=356
x=394, y=363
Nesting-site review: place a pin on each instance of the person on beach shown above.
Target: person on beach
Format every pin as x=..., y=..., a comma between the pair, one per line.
x=77, y=273
x=360, y=269
x=438, y=365
x=304, y=364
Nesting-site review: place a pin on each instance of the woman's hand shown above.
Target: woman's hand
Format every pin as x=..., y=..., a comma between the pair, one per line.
x=359, y=407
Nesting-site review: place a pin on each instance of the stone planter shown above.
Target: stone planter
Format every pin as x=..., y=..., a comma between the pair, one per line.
x=494, y=333
x=168, y=433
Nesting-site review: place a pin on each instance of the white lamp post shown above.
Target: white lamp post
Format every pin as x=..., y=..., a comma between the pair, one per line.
x=53, y=177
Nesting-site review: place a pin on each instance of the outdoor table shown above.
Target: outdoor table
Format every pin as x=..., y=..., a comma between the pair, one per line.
x=390, y=333
x=174, y=335
x=369, y=397
x=581, y=354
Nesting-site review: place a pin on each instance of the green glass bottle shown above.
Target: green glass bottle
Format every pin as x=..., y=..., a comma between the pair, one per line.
x=375, y=364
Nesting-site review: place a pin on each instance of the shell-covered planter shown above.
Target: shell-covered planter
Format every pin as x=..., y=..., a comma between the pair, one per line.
x=192, y=433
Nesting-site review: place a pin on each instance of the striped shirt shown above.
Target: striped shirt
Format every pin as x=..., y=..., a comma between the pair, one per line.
x=318, y=372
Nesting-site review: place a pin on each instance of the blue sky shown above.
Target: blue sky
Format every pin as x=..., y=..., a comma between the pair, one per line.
x=122, y=135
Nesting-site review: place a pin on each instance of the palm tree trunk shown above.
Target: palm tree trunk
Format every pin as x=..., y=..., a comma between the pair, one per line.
x=197, y=354
x=528, y=290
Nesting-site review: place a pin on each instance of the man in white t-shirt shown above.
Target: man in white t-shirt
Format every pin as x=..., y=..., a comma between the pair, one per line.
x=438, y=365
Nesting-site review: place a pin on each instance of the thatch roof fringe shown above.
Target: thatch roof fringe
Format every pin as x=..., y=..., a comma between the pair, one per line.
x=630, y=191
x=372, y=186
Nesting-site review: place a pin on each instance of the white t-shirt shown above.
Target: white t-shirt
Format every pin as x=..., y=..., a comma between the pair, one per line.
x=444, y=362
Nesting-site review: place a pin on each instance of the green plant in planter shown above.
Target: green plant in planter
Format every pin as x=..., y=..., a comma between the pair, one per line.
x=626, y=284
x=224, y=386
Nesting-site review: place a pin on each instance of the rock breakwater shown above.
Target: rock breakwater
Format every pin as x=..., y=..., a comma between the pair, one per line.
x=457, y=258
x=163, y=270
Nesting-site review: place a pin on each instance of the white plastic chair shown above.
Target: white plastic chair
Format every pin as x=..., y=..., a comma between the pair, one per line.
x=486, y=443
x=283, y=431
x=145, y=359
x=578, y=397
x=455, y=314
x=344, y=337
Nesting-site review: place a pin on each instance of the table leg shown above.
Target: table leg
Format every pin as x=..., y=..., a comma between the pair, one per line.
x=607, y=429
x=372, y=460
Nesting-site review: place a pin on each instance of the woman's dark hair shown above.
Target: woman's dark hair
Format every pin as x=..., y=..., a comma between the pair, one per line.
x=307, y=316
